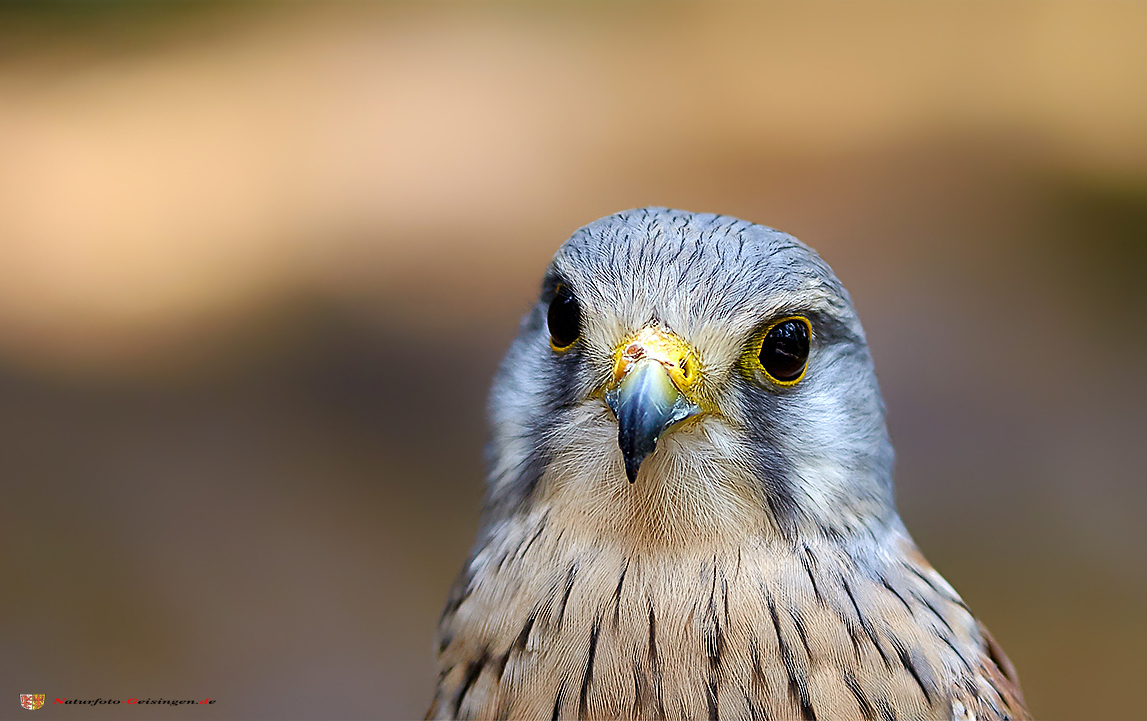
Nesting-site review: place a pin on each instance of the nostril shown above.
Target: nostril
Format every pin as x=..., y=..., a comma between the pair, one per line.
x=685, y=367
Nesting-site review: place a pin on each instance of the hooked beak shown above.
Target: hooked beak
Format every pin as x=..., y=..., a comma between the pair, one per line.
x=650, y=375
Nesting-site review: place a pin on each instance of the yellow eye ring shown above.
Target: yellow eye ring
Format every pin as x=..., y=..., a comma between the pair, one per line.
x=781, y=350
x=562, y=349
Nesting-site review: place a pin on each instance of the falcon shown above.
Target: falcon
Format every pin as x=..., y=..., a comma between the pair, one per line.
x=689, y=509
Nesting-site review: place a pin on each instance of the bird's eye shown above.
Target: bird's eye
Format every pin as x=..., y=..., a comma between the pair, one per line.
x=784, y=350
x=564, y=319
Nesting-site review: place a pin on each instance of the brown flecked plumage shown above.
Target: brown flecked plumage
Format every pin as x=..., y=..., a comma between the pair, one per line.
x=740, y=574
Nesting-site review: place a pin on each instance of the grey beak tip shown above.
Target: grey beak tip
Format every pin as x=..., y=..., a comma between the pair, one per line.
x=636, y=445
x=632, y=466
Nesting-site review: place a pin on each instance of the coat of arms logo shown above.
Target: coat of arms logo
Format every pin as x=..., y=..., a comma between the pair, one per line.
x=32, y=701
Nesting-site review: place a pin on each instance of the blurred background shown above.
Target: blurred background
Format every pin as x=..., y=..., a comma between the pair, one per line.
x=258, y=263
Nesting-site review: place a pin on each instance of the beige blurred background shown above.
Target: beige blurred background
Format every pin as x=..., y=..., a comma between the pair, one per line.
x=258, y=263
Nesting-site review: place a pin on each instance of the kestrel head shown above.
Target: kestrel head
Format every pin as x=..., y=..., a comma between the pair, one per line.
x=686, y=376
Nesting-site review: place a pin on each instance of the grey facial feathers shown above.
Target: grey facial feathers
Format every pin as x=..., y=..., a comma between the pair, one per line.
x=817, y=454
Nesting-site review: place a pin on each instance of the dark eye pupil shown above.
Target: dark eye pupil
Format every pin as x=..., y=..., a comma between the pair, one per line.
x=564, y=318
x=785, y=350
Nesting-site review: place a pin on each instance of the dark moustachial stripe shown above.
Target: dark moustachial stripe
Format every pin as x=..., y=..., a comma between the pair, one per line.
x=866, y=709
x=587, y=676
x=473, y=671
x=781, y=507
x=559, y=393
x=772, y=469
x=798, y=685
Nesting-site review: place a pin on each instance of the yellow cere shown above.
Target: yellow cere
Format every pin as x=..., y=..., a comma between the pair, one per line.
x=668, y=349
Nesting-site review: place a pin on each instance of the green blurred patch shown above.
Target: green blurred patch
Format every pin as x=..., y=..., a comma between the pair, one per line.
x=30, y=27
x=1103, y=238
